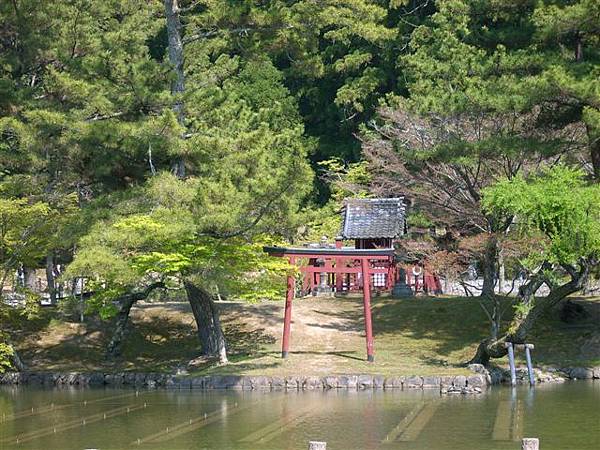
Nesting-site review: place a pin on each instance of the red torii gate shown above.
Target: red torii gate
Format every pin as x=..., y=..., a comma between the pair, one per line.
x=339, y=261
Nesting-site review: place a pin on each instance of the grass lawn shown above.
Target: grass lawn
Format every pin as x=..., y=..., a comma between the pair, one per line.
x=412, y=336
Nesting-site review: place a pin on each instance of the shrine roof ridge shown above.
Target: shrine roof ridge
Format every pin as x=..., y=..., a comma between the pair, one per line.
x=344, y=251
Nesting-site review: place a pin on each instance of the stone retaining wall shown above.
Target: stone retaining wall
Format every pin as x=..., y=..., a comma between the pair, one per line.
x=480, y=379
x=548, y=375
x=156, y=380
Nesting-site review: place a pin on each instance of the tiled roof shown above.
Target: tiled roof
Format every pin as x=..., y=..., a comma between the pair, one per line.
x=369, y=218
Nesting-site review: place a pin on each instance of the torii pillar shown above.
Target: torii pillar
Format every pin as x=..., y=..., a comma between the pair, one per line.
x=336, y=265
x=287, y=318
x=366, y=275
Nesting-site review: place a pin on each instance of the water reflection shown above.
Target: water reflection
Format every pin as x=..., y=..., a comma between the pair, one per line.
x=563, y=416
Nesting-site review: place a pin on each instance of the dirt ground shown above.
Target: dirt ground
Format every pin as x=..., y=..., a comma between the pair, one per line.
x=412, y=336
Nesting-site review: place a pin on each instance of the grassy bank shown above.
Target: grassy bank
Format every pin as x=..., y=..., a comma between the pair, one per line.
x=412, y=336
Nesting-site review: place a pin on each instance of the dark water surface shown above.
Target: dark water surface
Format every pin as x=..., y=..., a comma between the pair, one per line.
x=563, y=416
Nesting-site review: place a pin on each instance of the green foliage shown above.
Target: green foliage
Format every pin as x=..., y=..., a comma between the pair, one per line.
x=419, y=219
x=167, y=240
x=321, y=221
x=346, y=179
x=558, y=204
x=566, y=21
x=337, y=56
x=20, y=230
x=6, y=353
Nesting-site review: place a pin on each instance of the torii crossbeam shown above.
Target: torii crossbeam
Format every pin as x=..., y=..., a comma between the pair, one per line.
x=338, y=261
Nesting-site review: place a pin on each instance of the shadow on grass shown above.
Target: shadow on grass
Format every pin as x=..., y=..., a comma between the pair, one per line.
x=243, y=339
x=458, y=324
x=568, y=344
x=449, y=324
x=236, y=366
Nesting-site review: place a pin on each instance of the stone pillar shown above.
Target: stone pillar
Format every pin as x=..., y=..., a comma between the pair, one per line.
x=528, y=348
x=323, y=288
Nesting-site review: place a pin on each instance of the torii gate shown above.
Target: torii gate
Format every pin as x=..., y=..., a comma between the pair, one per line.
x=339, y=261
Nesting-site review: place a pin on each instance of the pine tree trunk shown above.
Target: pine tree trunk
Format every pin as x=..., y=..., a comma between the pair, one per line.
x=206, y=314
x=30, y=278
x=489, y=264
x=578, y=48
x=126, y=302
x=488, y=298
x=115, y=346
x=501, y=273
x=534, y=308
x=176, y=60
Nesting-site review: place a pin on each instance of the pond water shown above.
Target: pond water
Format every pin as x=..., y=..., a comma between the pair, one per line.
x=563, y=416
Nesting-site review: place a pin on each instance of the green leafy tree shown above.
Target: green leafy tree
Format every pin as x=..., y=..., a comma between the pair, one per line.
x=246, y=170
x=26, y=231
x=563, y=212
x=477, y=111
x=83, y=98
x=156, y=241
x=81, y=109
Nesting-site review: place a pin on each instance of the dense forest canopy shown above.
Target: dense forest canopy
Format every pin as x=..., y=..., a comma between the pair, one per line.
x=151, y=145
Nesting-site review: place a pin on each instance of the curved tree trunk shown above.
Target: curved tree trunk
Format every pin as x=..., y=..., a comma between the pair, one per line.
x=534, y=308
x=206, y=314
x=115, y=346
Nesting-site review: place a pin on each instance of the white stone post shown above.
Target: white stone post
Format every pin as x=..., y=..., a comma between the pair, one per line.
x=530, y=444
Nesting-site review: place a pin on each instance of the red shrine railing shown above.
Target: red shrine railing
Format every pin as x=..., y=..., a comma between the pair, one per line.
x=345, y=269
